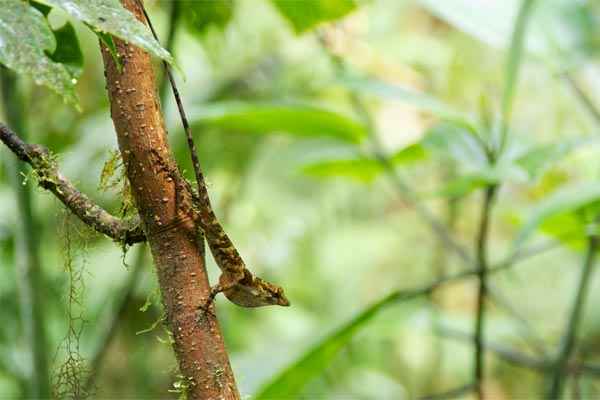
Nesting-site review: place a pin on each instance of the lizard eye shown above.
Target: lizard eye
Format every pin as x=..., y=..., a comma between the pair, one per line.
x=280, y=297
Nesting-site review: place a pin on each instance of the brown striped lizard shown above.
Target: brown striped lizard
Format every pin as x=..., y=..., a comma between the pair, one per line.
x=236, y=282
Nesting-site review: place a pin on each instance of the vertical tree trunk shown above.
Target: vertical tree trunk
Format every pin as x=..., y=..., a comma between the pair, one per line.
x=175, y=244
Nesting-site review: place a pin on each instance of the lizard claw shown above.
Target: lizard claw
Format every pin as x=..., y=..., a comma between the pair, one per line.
x=214, y=291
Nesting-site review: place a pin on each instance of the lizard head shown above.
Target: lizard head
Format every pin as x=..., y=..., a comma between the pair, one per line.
x=252, y=291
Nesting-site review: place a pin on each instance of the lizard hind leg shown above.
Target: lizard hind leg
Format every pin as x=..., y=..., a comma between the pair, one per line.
x=226, y=282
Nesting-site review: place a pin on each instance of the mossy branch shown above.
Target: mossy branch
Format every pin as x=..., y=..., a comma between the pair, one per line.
x=126, y=231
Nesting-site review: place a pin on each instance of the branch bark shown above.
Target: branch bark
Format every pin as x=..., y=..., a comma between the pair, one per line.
x=175, y=243
x=127, y=231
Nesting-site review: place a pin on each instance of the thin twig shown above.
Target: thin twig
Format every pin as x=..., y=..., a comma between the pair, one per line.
x=184, y=120
x=402, y=188
x=452, y=393
x=529, y=332
x=583, y=97
x=518, y=358
x=570, y=335
x=169, y=42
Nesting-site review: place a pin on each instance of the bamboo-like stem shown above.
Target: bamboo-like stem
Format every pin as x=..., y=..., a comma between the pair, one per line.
x=569, y=338
x=30, y=279
x=482, y=271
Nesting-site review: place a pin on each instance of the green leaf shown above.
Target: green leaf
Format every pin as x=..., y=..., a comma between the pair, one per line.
x=514, y=58
x=464, y=184
x=107, y=40
x=110, y=16
x=409, y=154
x=268, y=118
x=566, y=199
x=291, y=380
x=363, y=169
x=560, y=32
x=418, y=100
x=535, y=161
x=305, y=14
x=68, y=52
x=198, y=16
x=452, y=142
x=488, y=22
x=25, y=40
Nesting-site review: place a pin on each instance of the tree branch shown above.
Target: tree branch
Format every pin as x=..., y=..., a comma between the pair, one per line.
x=127, y=231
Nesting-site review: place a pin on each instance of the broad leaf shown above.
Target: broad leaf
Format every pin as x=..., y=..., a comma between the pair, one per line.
x=421, y=101
x=305, y=14
x=198, y=16
x=110, y=16
x=268, y=118
x=567, y=199
x=68, y=52
x=25, y=41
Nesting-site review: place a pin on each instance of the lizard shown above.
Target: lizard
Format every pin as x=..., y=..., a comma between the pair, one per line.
x=236, y=282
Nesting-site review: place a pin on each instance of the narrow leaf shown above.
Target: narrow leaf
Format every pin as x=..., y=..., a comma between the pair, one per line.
x=290, y=381
x=452, y=142
x=268, y=118
x=421, y=101
x=566, y=199
x=464, y=184
x=488, y=22
x=362, y=169
x=409, y=154
x=514, y=58
x=538, y=159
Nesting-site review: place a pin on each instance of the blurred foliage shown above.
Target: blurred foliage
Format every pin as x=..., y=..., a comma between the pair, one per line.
x=321, y=151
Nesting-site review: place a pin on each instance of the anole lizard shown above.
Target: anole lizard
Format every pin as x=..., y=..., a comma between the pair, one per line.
x=236, y=282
